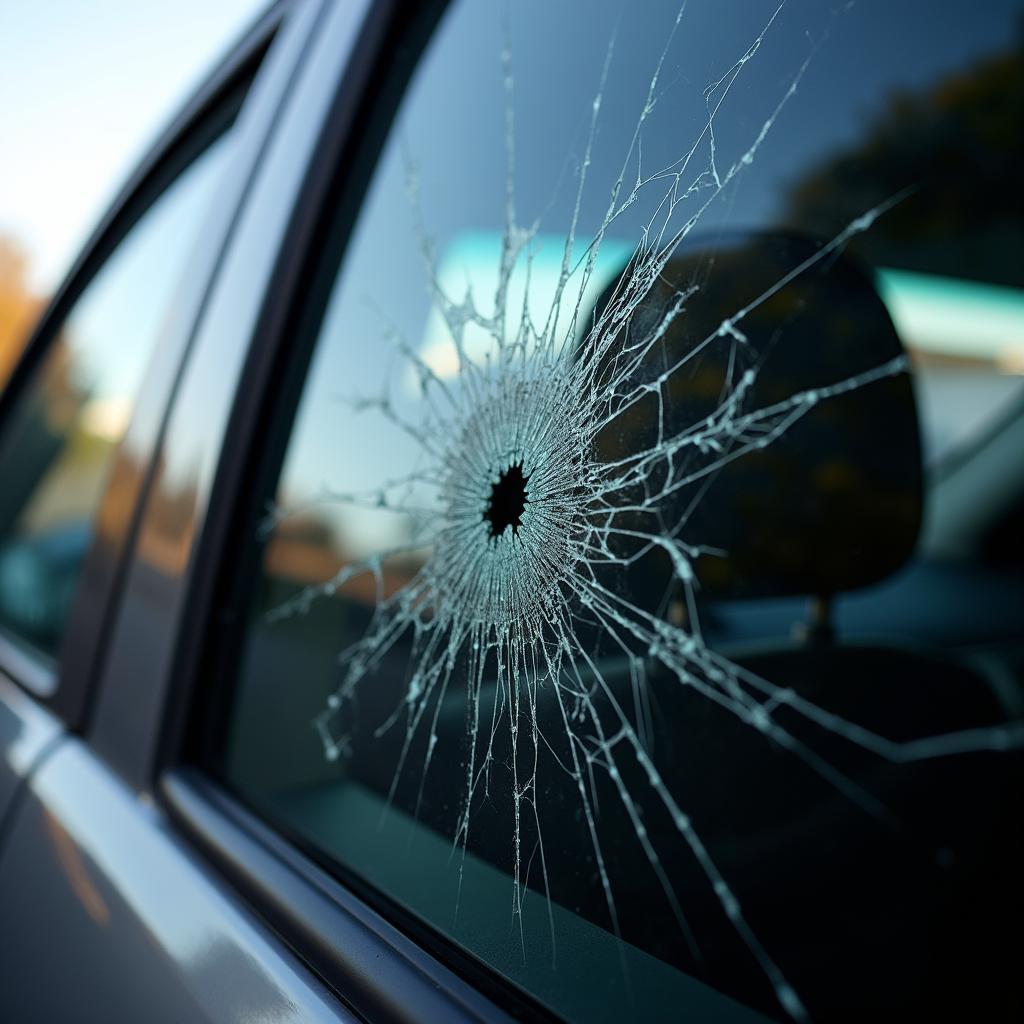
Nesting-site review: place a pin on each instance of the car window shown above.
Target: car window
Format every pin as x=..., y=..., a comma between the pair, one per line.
x=582, y=618
x=59, y=437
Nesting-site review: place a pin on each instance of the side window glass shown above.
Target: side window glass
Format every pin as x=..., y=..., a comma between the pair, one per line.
x=58, y=440
x=584, y=612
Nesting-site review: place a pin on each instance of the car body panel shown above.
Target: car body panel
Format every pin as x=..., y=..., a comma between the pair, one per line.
x=131, y=925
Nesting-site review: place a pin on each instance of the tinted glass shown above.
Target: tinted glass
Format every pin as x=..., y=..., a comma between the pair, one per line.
x=58, y=441
x=590, y=623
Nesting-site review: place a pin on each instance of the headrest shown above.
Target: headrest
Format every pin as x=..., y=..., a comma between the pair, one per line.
x=833, y=501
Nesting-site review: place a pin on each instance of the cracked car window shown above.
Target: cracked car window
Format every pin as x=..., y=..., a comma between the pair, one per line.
x=592, y=625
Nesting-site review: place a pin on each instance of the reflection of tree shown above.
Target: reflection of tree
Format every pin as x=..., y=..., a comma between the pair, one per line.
x=960, y=143
x=18, y=306
x=309, y=549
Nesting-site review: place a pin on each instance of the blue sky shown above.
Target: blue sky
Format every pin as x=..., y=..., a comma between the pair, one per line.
x=85, y=87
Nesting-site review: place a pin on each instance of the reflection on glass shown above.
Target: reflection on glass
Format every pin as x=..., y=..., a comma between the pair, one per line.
x=58, y=441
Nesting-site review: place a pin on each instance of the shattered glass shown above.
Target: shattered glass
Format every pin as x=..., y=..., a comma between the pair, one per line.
x=510, y=524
